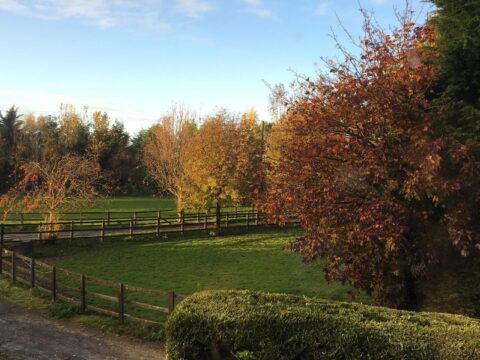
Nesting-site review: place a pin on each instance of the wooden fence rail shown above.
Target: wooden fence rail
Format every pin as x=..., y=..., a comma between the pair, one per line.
x=125, y=302
x=107, y=215
x=158, y=225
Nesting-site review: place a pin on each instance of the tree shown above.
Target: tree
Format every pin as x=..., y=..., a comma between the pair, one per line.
x=381, y=195
x=10, y=125
x=223, y=163
x=62, y=183
x=209, y=163
x=164, y=151
x=248, y=177
x=457, y=23
x=72, y=131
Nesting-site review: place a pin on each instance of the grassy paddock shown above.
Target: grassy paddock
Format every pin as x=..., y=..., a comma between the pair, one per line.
x=192, y=263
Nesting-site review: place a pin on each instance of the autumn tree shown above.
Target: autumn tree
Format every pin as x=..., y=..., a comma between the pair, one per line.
x=381, y=195
x=59, y=184
x=223, y=162
x=248, y=178
x=72, y=131
x=164, y=152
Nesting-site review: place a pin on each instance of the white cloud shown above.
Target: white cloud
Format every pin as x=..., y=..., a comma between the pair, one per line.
x=322, y=9
x=193, y=8
x=11, y=5
x=257, y=8
x=108, y=13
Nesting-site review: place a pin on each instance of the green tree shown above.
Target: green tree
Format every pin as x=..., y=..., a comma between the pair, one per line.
x=10, y=125
x=457, y=23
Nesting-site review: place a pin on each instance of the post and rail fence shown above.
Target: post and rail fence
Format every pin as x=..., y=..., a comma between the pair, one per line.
x=122, y=301
x=107, y=215
x=131, y=227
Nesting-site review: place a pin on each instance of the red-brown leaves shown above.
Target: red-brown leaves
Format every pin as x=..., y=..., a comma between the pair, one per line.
x=379, y=195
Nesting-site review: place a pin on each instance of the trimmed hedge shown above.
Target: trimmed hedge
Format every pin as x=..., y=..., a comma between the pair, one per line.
x=251, y=325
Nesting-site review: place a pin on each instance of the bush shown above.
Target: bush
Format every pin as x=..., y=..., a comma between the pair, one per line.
x=251, y=325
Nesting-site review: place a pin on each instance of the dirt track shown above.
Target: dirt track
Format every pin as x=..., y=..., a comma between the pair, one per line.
x=27, y=335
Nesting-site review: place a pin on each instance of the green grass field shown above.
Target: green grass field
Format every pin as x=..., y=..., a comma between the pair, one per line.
x=132, y=203
x=256, y=261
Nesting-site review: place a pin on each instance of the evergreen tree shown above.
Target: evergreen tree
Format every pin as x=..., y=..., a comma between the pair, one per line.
x=458, y=30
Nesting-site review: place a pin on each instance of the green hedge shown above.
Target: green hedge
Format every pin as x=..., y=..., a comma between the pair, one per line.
x=250, y=325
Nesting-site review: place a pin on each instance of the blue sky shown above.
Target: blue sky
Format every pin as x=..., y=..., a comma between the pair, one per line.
x=135, y=58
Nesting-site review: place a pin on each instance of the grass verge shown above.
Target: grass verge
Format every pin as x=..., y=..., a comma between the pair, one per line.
x=34, y=300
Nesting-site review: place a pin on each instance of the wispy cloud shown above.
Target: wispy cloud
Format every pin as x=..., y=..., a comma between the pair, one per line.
x=108, y=13
x=322, y=9
x=194, y=8
x=257, y=8
x=11, y=5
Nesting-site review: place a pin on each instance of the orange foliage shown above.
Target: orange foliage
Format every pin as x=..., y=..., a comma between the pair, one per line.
x=61, y=183
x=356, y=156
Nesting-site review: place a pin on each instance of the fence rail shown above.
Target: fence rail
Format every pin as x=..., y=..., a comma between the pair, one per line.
x=130, y=227
x=107, y=215
x=125, y=302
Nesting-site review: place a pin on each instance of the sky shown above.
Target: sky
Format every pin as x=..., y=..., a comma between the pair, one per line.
x=135, y=59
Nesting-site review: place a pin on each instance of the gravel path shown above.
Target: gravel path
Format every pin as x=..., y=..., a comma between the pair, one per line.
x=28, y=335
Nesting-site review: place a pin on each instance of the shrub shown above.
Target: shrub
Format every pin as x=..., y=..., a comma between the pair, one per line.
x=240, y=325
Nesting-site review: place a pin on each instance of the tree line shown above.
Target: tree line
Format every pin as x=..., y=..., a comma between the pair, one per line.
x=42, y=139
x=201, y=162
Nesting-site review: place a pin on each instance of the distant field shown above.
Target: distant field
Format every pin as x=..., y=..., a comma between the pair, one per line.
x=113, y=204
x=129, y=203
x=257, y=261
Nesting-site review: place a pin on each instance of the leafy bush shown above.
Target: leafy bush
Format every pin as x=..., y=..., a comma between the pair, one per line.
x=239, y=325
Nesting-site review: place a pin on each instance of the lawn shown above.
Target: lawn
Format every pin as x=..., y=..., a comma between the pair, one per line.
x=257, y=261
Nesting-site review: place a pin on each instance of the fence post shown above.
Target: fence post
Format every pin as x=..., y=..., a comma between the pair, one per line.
x=83, y=304
x=40, y=231
x=102, y=231
x=226, y=220
x=182, y=221
x=248, y=220
x=171, y=301
x=198, y=216
x=32, y=273
x=14, y=268
x=54, y=283
x=2, y=235
x=205, y=223
x=256, y=218
x=236, y=212
x=134, y=218
x=121, y=303
x=71, y=230
x=108, y=217
x=158, y=225
x=217, y=216
x=131, y=228
x=81, y=218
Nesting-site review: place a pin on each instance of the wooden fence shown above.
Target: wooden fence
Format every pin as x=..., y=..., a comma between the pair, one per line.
x=135, y=226
x=125, y=302
x=107, y=215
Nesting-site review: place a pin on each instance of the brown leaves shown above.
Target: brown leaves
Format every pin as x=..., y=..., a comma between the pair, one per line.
x=61, y=183
x=358, y=161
